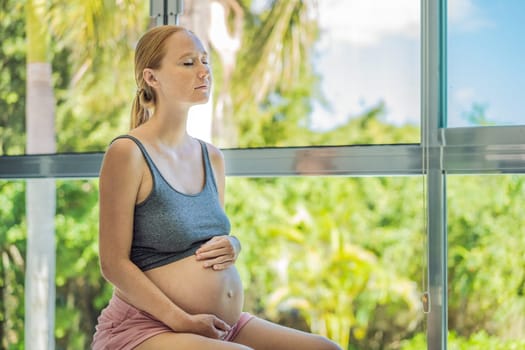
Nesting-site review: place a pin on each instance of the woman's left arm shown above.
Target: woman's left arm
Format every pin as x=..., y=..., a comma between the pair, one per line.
x=220, y=251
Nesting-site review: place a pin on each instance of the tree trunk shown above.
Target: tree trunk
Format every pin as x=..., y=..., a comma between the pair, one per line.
x=40, y=193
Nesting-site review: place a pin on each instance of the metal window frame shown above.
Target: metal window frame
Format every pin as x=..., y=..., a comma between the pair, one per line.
x=471, y=150
x=476, y=150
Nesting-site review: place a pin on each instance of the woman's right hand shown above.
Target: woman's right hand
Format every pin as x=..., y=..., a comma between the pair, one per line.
x=209, y=326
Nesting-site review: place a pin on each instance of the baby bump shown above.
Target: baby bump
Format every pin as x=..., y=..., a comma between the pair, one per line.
x=201, y=290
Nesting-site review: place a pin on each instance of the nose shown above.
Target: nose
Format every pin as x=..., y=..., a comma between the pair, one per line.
x=204, y=72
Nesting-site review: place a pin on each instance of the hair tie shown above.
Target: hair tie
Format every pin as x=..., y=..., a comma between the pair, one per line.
x=139, y=91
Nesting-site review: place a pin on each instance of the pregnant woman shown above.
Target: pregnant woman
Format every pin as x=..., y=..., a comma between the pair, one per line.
x=165, y=240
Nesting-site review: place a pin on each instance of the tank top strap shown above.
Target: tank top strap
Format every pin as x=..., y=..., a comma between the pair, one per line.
x=149, y=161
x=210, y=178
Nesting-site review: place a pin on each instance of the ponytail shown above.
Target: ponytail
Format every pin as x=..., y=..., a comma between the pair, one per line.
x=143, y=103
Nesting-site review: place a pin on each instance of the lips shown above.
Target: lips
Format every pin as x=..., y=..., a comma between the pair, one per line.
x=203, y=86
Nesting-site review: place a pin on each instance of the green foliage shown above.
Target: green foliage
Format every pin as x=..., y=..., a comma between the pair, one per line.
x=486, y=249
x=81, y=291
x=95, y=99
x=477, y=341
x=12, y=77
x=12, y=253
x=301, y=252
x=277, y=51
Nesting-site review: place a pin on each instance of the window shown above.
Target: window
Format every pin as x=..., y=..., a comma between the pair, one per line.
x=486, y=81
x=385, y=100
x=486, y=248
x=343, y=257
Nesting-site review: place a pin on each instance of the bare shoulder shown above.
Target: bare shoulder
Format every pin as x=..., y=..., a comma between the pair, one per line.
x=123, y=146
x=218, y=169
x=216, y=156
x=122, y=155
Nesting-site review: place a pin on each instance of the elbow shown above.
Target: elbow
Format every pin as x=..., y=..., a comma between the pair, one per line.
x=109, y=269
x=105, y=270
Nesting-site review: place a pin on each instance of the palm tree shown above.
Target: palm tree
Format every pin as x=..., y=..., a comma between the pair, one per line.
x=276, y=61
x=100, y=37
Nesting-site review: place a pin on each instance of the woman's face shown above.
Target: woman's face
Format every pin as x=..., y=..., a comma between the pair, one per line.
x=184, y=75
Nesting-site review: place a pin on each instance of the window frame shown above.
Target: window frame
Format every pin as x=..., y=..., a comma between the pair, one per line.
x=442, y=151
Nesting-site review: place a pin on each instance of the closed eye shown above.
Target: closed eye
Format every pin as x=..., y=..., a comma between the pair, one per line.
x=191, y=63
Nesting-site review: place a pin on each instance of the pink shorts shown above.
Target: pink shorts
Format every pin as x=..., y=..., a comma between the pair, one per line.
x=122, y=326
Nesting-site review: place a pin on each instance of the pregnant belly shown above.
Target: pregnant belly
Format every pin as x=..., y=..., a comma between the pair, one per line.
x=199, y=290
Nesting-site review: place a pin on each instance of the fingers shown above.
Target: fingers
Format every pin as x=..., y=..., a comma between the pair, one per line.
x=203, y=254
x=220, y=328
x=218, y=263
x=216, y=243
x=221, y=266
x=221, y=325
x=210, y=326
x=217, y=247
x=215, y=257
x=218, y=253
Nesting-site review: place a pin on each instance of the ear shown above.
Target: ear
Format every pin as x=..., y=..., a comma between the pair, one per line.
x=149, y=77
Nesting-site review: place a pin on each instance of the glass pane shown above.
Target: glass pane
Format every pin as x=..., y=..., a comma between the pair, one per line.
x=73, y=226
x=83, y=78
x=486, y=246
x=341, y=257
x=12, y=78
x=486, y=80
x=327, y=73
x=368, y=60
x=81, y=291
x=287, y=73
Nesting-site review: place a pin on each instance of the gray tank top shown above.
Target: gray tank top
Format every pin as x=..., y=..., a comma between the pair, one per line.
x=169, y=225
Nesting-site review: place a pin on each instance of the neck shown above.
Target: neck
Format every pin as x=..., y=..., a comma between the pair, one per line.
x=170, y=125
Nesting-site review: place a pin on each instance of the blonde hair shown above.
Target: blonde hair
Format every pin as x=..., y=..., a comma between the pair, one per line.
x=149, y=53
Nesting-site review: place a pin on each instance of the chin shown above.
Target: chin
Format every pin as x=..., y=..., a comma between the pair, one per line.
x=202, y=101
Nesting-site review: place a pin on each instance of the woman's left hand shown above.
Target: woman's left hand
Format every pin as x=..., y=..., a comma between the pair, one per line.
x=219, y=253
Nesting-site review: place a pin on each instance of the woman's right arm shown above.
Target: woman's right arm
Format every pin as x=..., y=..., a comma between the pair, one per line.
x=120, y=178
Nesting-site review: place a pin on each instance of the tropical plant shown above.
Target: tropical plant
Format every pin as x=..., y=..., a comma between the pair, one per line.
x=274, y=85
x=477, y=341
x=486, y=250
x=12, y=264
x=96, y=40
x=331, y=263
